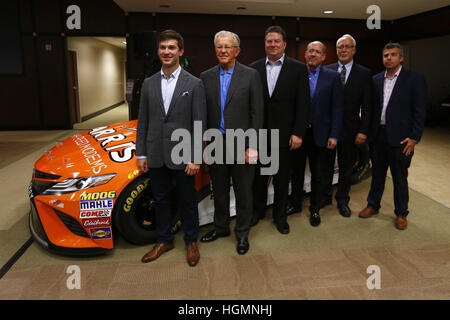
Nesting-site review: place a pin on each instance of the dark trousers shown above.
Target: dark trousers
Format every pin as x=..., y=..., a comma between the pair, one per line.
x=280, y=185
x=346, y=152
x=241, y=175
x=383, y=156
x=319, y=164
x=161, y=184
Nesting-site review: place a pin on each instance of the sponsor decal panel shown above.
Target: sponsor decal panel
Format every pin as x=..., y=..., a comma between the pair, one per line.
x=97, y=222
x=90, y=214
x=97, y=201
x=100, y=233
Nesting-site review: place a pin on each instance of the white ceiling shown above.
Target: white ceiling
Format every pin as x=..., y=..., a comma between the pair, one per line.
x=348, y=9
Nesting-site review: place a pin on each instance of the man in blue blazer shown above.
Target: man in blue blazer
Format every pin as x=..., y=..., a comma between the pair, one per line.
x=324, y=123
x=398, y=122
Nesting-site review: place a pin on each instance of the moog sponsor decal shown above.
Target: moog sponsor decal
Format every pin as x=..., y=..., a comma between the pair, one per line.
x=97, y=201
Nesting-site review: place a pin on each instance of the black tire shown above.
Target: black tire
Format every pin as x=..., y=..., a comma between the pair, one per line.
x=361, y=169
x=134, y=213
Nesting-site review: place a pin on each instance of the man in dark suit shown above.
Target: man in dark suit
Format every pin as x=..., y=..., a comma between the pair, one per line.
x=286, y=102
x=234, y=101
x=170, y=99
x=324, y=123
x=357, y=82
x=400, y=100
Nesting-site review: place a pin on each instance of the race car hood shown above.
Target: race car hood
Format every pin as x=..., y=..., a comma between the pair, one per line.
x=94, y=152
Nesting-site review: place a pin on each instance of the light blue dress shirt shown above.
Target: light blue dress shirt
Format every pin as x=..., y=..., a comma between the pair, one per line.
x=225, y=80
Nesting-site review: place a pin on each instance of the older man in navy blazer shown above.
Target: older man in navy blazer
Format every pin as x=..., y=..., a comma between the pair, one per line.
x=324, y=123
x=397, y=125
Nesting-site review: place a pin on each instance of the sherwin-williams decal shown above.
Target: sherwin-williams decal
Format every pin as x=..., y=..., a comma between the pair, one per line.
x=100, y=233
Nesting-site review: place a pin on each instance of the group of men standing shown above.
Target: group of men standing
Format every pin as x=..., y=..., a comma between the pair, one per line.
x=317, y=112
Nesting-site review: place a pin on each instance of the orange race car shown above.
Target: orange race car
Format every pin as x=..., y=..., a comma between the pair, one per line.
x=87, y=189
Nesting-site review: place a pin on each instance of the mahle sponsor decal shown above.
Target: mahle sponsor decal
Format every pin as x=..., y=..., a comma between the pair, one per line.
x=97, y=200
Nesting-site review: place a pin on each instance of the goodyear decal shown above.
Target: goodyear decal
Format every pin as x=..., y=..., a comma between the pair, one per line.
x=97, y=200
x=134, y=194
x=100, y=233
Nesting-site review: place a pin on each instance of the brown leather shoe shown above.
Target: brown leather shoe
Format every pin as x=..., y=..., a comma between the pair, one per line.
x=193, y=255
x=157, y=251
x=368, y=212
x=401, y=223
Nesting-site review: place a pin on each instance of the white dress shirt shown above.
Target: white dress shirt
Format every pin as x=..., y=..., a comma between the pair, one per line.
x=168, y=85
x=348, y=69
x=389, y=84
x=273, y=71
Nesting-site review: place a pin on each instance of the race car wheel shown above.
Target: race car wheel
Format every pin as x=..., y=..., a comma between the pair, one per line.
x=361, y=168
x=134, y=212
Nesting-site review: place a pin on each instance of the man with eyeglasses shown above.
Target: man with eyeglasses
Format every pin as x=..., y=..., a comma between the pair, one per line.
x=324, y=121
x=356, y=81
x=286, y=103
x=234, y=101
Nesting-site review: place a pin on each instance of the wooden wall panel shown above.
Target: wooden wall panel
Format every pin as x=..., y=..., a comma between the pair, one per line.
x=20, y=95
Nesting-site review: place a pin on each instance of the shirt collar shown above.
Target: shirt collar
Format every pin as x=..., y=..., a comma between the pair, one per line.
x=315, y=72
x=222, y=72
x=174, y=74
x=347, y=66
x=281, y=60
x=395, y=75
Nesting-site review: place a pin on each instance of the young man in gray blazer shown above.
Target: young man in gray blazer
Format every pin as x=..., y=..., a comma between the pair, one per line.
x=234, y=101
x=170, y=100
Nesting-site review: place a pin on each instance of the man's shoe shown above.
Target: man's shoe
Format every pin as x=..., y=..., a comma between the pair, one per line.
x=193, y=255
x=344, y=210
x=242, y=245
x=282, y=227
x=157, y=251
x=314, y=219
x=292, y=209
x=401, y=223
x=368, y=212
x=212, y=236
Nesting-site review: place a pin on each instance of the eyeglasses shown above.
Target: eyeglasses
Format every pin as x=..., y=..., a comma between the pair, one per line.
x=346, y=47
x=227, y=48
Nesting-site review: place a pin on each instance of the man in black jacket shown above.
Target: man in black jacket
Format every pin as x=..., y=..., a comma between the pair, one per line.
x=400, y=103
x=356, y=81
x=286, y=102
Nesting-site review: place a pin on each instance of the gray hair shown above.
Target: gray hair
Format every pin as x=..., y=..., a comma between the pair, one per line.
x=223, y=34
x=346, y=36
x=392, y=45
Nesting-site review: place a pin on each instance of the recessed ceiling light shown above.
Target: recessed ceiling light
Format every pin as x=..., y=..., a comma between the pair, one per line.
x=328, y=11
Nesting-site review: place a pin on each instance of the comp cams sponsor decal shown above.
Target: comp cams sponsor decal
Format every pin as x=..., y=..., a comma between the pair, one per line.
x=90, y=214
x=100, y=233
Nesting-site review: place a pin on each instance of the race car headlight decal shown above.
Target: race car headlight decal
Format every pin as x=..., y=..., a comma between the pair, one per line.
x=77, y=184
